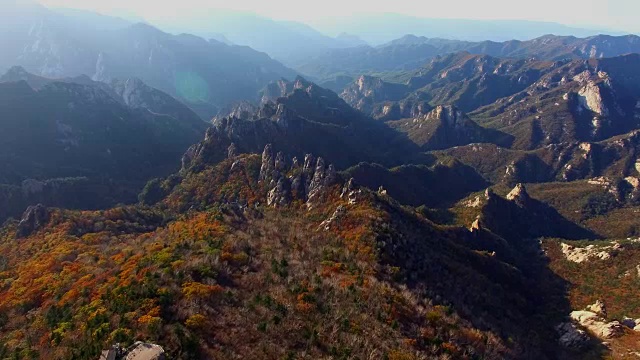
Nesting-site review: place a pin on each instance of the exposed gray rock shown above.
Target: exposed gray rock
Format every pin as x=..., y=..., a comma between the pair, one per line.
x=268, y=164
x=232, y=151
x=280, y=163
x=112, y=354
x=323, y=177
x=145, y=351
x=280, y=194
x=308, y=164
x=350, y=191
x=571, y=336
x=190, y=155
x=597, y=324
x=334, y=219
x=34, y=218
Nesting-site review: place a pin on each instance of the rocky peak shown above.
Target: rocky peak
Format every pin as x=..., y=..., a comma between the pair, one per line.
x=366, y=84
x=308, y=164
x=447, y=114
x=268, y=166
x=518, y=195
x=280, y=195
x=241, y=110
x=34, y=218
x=307, y=184
x=323, y=177
x=489, y=194
x=282, y=88
x=350, y=191
x=283, y=115
x=215, y=147
x=590, y=98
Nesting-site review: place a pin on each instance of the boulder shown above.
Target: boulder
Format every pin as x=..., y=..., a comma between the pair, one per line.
x=598, y=325
x=628, y=322
x=145, y=351
x=598, y=308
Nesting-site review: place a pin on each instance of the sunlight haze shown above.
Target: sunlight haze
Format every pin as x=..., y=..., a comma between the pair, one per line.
x=610, y=15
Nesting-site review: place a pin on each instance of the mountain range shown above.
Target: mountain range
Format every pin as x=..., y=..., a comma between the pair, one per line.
x=79, y=143
x=421, y=199
x=412, y=52
x=380, y=28
x=187, y=67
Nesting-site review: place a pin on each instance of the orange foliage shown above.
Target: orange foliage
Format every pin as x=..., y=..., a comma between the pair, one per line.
x=196, y=290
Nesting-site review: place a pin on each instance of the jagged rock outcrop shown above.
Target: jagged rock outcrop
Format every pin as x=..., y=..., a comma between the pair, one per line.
x=323, y=177
x=267, y=168
x=300, y=120
x=214, y=148
x=138, y=351
x=34, y=218
x=280, y=194
x=381, y=99
x=241, y=110
x=446, y=126
x=519, y=195
x=350, y=191
x=597, y=324
x=333, y=219
x=285, y=183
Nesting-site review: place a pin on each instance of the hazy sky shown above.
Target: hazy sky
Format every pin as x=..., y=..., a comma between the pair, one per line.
x=601, y=14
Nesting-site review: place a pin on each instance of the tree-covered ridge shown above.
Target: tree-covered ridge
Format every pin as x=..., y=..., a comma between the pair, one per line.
x=212, y=272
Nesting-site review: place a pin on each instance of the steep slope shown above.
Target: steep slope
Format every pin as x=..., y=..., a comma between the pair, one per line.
x=108, y=141
x=131, y=92
x=307, y=118
x=465, y=80
x=615, y=157
x=581, y=100
x=209, y=268
x=435, y=186
x=519, y=217
x=204, y=74
x=383, y=100
x=445, y=127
